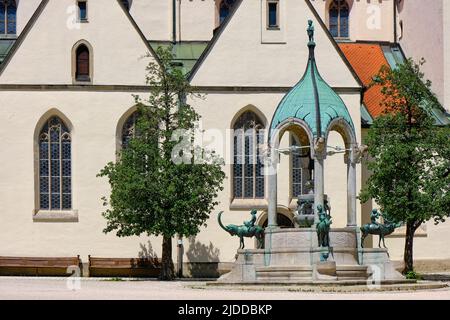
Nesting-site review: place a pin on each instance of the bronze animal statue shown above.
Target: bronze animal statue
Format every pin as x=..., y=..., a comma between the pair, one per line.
x=323, y=227
x=247, y=230
x=376, y=228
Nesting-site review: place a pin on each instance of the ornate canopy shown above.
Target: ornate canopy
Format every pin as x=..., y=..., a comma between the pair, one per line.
x=311, y=100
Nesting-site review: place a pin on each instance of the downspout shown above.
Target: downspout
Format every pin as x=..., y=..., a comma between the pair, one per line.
x=174, y=21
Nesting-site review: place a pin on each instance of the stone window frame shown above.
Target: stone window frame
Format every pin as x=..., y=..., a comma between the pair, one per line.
x=74, y=62
x=44, y=215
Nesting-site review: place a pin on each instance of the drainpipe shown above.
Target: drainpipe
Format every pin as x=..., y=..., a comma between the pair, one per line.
x=174, y=21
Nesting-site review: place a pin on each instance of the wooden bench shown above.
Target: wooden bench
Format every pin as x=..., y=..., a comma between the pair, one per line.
x=124, y=267
x=31, y=266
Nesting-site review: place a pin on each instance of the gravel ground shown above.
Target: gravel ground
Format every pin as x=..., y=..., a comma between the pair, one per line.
x=13, y=288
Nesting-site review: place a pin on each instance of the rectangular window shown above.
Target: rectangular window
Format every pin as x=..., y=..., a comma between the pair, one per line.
x=272, y=14
x=82, y=9
x=2, y=19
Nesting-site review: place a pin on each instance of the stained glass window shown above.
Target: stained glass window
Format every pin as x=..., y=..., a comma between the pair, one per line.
x=339, y=17
x=55, y=166
x=296, y=170
x=248, y=168
x=8, y=16
x=129, y=129
x=225, y=9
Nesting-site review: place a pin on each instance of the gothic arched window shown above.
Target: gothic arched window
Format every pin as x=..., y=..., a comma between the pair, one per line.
x=339, y=18
x=8, y=16
x=129, y=129
x=248, y=169
x=82, y=72
x=225, y=9
x=55, y=166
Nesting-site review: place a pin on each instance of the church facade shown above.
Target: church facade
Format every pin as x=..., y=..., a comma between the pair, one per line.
x=69, y=70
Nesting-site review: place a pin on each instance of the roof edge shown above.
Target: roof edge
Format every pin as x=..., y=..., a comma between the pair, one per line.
x=333, y=41
x=213, y=41
x=23, y=35
x=139, y=31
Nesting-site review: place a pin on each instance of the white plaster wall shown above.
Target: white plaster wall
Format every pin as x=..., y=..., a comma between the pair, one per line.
x=433, y=246
x=197, y=19
x=423, y=37
x=154, y=18
x=446, y=64
x=371, y=20
x=48, y=47
x=94, y=144
x=239, y=58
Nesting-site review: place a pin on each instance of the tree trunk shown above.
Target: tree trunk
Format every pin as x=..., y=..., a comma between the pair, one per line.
x=409, y=241
x=167, y=267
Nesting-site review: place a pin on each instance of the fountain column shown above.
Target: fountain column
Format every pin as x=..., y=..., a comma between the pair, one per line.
x=319, y=185
x=351, y=190
x=272, y=186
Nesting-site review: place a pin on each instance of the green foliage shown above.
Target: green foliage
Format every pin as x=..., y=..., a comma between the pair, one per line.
x=115, y=279
x=410, y=156
x=150, y=193
x=412, y=275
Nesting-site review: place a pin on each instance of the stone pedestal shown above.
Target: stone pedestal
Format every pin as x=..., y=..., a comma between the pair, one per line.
x=244, y=269
x=293, y=255
x=379, y=264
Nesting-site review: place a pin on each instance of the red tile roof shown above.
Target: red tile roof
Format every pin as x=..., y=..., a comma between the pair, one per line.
x=367, y=60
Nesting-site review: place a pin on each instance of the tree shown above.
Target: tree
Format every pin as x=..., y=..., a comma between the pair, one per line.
x=410, y=154
x=156, y=187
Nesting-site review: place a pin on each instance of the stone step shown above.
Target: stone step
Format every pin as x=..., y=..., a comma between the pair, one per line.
x=284, y=273
x=352, y=272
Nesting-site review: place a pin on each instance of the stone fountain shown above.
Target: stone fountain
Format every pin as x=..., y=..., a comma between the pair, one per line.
x=295, y=255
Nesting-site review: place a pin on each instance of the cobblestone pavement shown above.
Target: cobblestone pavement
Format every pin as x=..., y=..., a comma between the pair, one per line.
x=68, y=289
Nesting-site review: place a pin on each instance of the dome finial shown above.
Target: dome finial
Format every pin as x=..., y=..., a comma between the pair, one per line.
x=310, y=31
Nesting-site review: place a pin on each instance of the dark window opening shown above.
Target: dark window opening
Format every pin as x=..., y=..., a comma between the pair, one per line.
x=126, y=4
x=82, y=64
x=82, y=7
x=225, y=9
x=282, y=222
x=339, y=13
x=8, y=17
x=273, y=14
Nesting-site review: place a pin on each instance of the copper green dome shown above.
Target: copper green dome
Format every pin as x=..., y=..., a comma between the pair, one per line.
x=311, y=100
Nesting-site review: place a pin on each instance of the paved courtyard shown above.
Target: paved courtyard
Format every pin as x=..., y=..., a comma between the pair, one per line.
x=91, y=289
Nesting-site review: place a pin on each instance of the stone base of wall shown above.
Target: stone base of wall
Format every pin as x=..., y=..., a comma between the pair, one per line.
x=427, y=265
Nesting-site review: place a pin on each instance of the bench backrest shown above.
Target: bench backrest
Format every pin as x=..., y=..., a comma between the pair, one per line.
x=123, y=262
x=39, y=262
